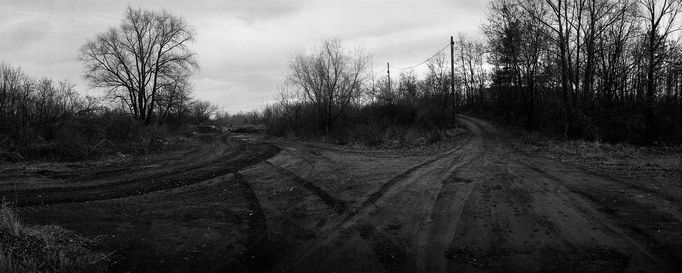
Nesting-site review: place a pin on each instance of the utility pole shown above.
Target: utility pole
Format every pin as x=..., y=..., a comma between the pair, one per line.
x=388, y=71
x=452, y=69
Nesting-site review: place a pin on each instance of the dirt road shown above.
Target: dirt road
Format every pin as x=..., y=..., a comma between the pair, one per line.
x=483, y=207
x=277, y=206
x=183, y=211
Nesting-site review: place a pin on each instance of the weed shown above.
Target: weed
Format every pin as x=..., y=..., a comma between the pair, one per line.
x=25, y=249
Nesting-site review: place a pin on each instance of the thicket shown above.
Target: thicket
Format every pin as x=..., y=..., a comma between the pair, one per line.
x=330, y=95
x=374, y=124
x=48, y=120
x=606, y=70
x=143, y=65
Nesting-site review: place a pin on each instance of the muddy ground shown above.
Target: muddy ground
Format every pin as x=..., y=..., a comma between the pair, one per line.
x=244, y=204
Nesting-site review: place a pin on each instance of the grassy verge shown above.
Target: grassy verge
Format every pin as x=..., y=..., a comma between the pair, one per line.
x=622, y=159
x=406, y=142
x=25, y=249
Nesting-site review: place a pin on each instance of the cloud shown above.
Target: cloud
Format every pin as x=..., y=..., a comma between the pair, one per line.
x=243, y=46
x=22, y=33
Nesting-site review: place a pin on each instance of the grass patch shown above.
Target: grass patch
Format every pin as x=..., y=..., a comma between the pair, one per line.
x=625, y=159
x=28, y=249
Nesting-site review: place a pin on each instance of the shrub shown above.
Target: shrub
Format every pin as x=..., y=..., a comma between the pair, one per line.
x=44, y=248
x=404, y=122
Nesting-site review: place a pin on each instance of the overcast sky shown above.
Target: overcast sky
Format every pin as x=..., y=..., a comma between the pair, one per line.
x=243, y=46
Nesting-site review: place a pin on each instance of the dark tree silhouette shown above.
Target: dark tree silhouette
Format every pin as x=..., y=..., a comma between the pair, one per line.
x=331, y=78
x=137, y=59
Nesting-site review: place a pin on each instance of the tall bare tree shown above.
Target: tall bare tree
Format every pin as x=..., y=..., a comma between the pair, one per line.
x=202, y=111
x=471, y=57
x=438, y=77
x=519, y=43
x=330, y=78
x=140, y=57
x=174, y=97
x=660, y=18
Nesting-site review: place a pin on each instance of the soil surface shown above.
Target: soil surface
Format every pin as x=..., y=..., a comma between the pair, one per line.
x=253, y=205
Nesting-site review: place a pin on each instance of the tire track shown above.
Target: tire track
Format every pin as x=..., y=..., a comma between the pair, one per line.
x=435, y=238
x=385, y=187
x=630, y=231
x=336, y=204
x=301, y=154
x=604, y=216
x=257, y=258
x=381, y=245
x=391, y=255
x=492, y=213
x=144, y=184
x=130, y=167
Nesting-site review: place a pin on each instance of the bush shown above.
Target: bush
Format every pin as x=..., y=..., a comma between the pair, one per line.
x=401, y=123
x=44, y=248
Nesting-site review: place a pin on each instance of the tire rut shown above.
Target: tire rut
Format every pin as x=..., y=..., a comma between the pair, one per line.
x=381, y=246
x=626, y=229
x=386, y=186
x=336, y=204
x=141, y=185
x=257, y=257
x=391, y=255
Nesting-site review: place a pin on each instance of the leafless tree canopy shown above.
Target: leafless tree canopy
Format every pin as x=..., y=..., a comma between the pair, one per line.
x=33, y=109
x=146, y=55
x=330, y=78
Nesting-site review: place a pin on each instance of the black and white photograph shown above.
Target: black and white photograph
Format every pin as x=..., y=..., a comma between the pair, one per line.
x=340, y=136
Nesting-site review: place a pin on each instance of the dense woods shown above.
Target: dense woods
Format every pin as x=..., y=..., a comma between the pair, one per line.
x=36, y=110
x=594, y=69
x=44, y=119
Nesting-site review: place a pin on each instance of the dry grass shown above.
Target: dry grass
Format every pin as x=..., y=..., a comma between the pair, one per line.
x=25, y=249
x=8, y=219
x=624, y=159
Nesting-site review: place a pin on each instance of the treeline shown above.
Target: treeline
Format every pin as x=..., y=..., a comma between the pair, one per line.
x=331, y=93
x=608, y=70
x=144, y=66
x=44, y=119
x=36, y=109
x=595, y=69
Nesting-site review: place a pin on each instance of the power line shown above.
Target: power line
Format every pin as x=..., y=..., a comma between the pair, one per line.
x=382, y=70
x=413, y=66
x=434, y=55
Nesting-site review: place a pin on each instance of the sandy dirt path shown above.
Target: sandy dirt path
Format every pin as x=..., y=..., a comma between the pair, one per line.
x=190, y=211
x=483, y=207
x=252, y=205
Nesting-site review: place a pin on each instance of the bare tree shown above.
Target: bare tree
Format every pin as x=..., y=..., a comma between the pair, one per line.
x=330, y=78
x=518, y=45
x=407, y=86
x=438, y=78
x=140, y=57
x=174, y=97
x=560, y=17
x=382, y=92
x=291, y=104
x=659, y=17
x=34, y=109
x=471, y=58
x=203, y=110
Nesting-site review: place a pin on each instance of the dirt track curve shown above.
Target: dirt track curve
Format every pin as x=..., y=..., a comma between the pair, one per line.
x=187, y=211
x=483, y=207
x=240, y=205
